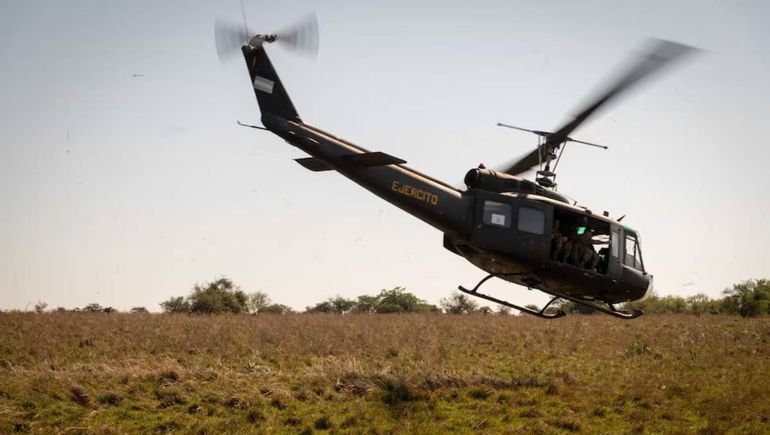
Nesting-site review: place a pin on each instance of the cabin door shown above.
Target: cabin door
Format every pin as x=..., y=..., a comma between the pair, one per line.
x=614, y=267
x=512, y=225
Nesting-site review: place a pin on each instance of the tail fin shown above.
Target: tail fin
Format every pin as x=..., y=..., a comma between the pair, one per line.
x=271, y=95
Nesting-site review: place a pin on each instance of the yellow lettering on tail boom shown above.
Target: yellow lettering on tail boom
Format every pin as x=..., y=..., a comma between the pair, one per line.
x=413, y=192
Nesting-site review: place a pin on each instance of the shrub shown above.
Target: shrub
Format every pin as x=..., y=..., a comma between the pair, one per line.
x=276, y=309
x=93, y=308
x=177, y=304
x=748, y=298
x=458, y=303
x=220, y=296
x=395, y=300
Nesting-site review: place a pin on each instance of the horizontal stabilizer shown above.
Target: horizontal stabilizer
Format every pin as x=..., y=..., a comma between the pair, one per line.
x=314, y=164
x=376, y=158
x=362, y=160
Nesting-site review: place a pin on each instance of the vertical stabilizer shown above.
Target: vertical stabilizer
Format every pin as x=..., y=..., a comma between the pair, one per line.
x=271, y=95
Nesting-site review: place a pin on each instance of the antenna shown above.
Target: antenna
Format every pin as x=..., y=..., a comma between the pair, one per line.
x=243, y=13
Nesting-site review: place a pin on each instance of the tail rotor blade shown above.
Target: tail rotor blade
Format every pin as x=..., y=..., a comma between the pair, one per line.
x=229, y=38
x=302, y=37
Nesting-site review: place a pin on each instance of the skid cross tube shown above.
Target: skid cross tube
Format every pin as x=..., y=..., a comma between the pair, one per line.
x=609, y=309
x=537, y=313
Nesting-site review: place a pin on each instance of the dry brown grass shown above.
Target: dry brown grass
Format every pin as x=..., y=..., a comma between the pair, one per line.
x=119, y=373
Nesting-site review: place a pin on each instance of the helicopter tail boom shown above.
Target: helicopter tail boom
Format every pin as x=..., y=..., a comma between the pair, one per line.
x=431, y=200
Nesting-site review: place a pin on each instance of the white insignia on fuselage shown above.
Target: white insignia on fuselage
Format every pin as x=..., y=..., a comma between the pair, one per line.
x=263, y=84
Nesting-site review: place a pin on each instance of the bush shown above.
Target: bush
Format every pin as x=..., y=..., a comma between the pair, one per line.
x=220, y=296
x=177, y=304
x=275, y=309
x=749, y=298
x=458, y=303
x=93, y=308
x=395, y=300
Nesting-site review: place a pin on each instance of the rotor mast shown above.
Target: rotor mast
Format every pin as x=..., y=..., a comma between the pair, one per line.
x=547, y=153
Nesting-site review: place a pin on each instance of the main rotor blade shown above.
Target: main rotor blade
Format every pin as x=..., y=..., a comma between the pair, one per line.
x=659, y=54
x=524, y=163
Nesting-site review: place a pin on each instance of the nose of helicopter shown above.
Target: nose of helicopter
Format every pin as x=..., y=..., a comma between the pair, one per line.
x=650, y=288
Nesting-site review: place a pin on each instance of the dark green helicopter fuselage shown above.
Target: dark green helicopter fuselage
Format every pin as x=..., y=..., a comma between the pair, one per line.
x=516, y=244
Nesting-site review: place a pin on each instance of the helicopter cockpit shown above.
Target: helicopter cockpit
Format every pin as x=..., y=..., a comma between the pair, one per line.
x=633, y=253
x=594, y=244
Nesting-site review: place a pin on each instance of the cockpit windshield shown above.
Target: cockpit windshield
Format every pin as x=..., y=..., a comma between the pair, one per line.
x=633, y=255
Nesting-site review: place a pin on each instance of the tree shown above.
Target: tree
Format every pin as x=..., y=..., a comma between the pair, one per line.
x=324, y=307
x=93, y=308
x=178, y=304
x=366, y=304
x=275, y=309
x=748, y=298
x=458, y=303
x=40, y=307
x=342, y=305
x=503, y=310
x=397, y=300
x=335, y=305
x=139, y=310
x=698, y=304
x=257, y=301
x=220, y=296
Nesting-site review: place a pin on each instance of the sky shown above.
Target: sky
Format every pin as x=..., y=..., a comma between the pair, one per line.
x=124, y=179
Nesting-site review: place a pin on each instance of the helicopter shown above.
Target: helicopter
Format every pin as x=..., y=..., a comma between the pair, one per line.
x=521, y=231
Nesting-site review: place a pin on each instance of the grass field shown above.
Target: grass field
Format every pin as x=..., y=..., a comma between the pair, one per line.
x=117, y=373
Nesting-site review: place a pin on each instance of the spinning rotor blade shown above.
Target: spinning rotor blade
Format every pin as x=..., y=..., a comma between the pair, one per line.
x=659, y=54
x=229, y=37
x=302, y=37
x=524, y=163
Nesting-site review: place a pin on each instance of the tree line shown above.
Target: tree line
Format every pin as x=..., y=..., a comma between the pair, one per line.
x=223, y=296
x=749, y=298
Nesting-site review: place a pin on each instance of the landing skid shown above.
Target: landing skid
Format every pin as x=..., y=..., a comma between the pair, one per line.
x=608, y=309
x=537, y=313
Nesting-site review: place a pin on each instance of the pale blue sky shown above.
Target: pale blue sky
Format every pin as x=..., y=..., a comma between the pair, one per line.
x=126, y=190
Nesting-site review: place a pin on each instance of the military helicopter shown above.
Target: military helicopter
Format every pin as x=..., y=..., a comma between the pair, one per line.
x=518, y=230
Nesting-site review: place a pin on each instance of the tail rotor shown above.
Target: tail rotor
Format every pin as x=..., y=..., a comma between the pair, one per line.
x=301, y=38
